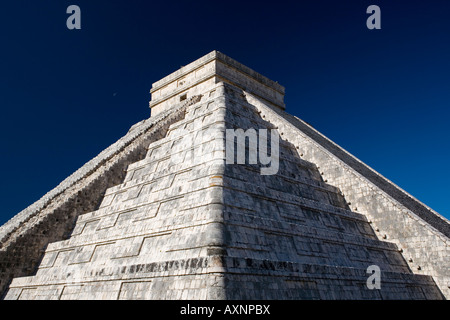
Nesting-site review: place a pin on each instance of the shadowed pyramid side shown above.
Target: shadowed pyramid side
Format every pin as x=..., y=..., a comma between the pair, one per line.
x=292, y=235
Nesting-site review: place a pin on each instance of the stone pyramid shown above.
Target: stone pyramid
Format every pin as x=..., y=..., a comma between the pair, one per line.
x=164, y=214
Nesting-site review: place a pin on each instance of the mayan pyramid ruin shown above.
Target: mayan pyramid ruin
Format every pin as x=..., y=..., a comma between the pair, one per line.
x=163, y=214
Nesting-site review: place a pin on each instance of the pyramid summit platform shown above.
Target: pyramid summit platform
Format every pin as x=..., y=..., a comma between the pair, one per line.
x=162, y=214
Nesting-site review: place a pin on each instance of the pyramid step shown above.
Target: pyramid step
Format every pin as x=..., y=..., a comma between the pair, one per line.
x=272, y=279
x=161, y=180
x=302, y=212
x=152, y=193
x=308, y=243
x=245, y=189
x=148, y=174
x=263, y=278
x=298, y=184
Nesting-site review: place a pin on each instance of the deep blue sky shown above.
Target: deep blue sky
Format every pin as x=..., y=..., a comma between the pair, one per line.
x=383, y=95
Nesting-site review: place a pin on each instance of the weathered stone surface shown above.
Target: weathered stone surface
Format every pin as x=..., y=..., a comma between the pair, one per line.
x=161, y=215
